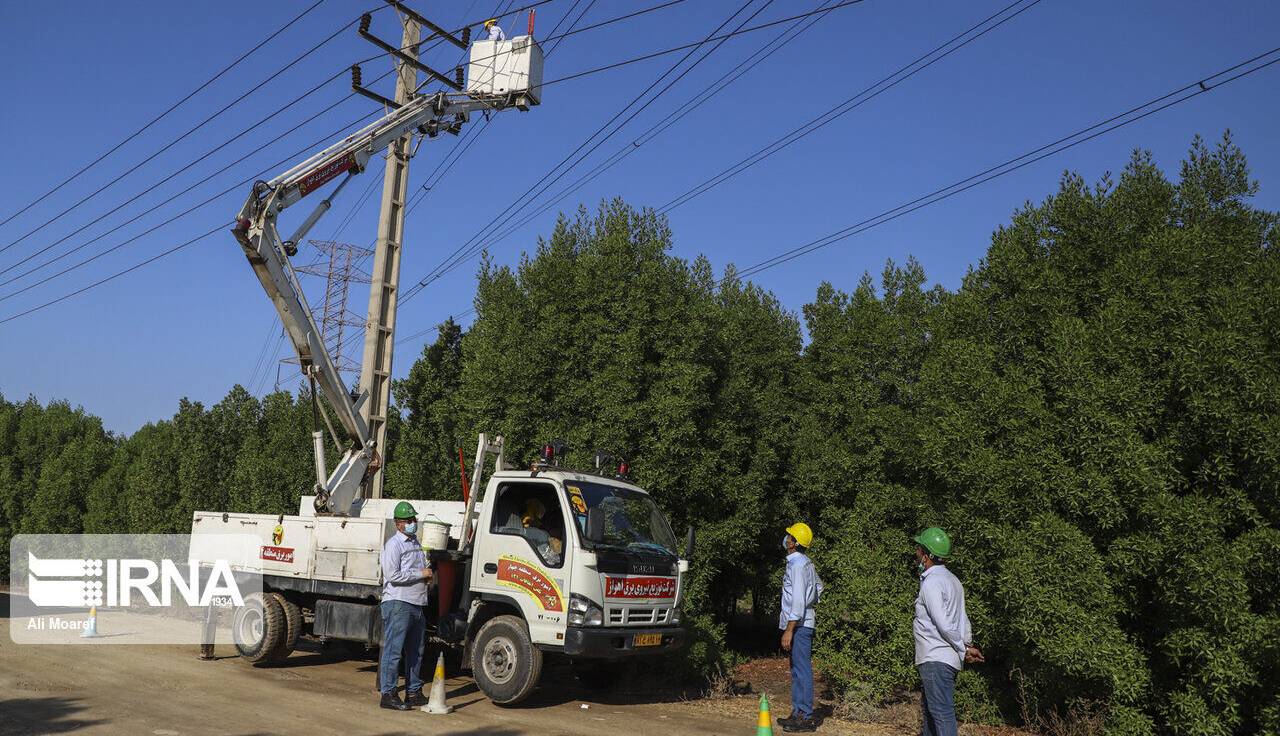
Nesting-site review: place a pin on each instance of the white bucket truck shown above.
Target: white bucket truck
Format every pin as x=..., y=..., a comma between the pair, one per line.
x=598, y=578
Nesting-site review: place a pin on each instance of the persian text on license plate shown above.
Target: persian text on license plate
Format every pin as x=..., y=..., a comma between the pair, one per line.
x=648, y=640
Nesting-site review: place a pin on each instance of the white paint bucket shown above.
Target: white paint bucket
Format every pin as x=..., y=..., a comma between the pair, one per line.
x=434, y=534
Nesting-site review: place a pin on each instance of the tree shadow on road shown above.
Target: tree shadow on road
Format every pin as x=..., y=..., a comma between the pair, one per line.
x=43, y=715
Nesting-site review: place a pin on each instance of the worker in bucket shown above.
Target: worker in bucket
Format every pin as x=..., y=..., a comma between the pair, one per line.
x=943, y=637
x=801, y=588
x=494, y=30
x=405, y=576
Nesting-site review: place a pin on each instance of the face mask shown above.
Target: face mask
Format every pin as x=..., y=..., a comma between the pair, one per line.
x=920, y=567
x=786, y=538
x=411, y=528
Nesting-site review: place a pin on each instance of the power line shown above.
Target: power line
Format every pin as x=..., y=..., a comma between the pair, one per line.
x=186, y=167
x=152, y=229
x=695, y=44
x=203, y=157
x=886, y=83
x=180, y=138
x=429, y=330
x=118, y=227
x=469, y=138
x=463, y=145
x=516, y=206
x=697, y=100
x=159, y=117
x=1132, y=115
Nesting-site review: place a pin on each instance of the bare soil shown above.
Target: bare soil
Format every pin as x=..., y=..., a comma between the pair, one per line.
x=168, y=691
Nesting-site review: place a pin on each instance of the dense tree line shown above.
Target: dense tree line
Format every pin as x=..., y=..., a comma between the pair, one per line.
x=1094, y=415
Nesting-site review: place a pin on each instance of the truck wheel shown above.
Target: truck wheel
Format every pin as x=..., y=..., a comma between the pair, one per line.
x=504, y=661
x=292, y=628
x=258, y=627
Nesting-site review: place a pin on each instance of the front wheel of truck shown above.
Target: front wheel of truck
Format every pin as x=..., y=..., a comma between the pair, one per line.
x=504, y=661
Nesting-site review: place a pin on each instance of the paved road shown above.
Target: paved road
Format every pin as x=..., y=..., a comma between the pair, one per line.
x=167, y=691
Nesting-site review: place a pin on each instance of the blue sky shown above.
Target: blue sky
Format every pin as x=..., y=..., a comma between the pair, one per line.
x=81, y=76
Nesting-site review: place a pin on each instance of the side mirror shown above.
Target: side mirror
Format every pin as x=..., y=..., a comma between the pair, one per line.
x=595, y=526
x=688, y=543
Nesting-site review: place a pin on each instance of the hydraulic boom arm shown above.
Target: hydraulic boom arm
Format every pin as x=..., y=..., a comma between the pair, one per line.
x=269, y=255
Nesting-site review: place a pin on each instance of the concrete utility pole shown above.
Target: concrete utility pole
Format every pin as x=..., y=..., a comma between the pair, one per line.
x=375, y=369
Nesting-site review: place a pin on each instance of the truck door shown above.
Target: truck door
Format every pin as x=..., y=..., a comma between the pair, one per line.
x=521, y=554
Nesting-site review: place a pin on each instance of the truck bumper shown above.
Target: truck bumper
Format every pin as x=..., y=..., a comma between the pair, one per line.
x=618, y=643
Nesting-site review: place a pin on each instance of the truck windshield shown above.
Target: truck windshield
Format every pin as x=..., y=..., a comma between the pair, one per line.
x=631, y=518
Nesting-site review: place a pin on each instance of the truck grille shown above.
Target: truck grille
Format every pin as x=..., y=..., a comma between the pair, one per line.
x=638, y=616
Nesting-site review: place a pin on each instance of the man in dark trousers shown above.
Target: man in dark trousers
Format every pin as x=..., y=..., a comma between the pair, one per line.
x=801, y=588
x=944, y=640
x=405, y=577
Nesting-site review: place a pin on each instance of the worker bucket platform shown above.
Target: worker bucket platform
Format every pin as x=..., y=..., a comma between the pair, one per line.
x=506, y=69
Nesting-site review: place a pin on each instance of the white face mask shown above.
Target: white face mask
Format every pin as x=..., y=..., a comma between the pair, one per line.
x=786, y=538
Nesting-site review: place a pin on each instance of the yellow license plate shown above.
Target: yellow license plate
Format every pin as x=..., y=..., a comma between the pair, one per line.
x=648, y=640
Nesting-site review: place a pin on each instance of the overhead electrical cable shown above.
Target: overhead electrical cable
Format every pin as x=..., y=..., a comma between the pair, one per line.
x=850, y=104
x=695, y=44
x=193, y=208
x=697, y=100
x=162, y=115
x=464, y=144
x=173, y=197
x=1178, y=96
x=180, y=138
x=1128, y=117
x=469, y=138
x=552, y=177
x=177, y=172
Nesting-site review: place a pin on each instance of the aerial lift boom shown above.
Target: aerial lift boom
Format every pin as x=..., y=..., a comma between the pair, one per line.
x=256, y=231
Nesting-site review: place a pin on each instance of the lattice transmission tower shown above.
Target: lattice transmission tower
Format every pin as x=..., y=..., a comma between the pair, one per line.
x=339, y=265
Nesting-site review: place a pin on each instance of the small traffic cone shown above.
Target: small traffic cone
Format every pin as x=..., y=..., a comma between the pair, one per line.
x=764, y=724
x=436, y=704
x=91, y=630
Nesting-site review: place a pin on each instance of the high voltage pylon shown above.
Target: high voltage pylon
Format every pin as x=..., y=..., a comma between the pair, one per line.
x=338, y=266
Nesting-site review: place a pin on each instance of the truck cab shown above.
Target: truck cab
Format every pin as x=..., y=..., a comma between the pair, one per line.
x=568, y=563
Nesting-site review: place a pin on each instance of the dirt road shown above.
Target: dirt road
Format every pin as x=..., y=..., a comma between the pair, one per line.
x=167, y=691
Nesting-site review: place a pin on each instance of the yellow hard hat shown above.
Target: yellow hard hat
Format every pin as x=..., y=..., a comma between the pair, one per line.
x=490, y=22
x=801, y=532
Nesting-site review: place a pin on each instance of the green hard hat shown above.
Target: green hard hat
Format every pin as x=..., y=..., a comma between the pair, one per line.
x=404, y=510
x=935, y=540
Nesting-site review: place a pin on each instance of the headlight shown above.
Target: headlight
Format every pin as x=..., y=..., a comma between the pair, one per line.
x=584, y=612
x=675, y=615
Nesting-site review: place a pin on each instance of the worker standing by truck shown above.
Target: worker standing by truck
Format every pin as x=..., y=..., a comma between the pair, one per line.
x=801, y=588
x=943, y=637
x=404, y=598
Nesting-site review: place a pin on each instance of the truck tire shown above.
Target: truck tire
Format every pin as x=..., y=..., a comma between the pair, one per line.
x=258, y=627
x=292, y=628
x=504, y=662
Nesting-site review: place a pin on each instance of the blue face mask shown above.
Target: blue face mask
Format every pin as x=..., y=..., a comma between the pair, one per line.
x=411, y=528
